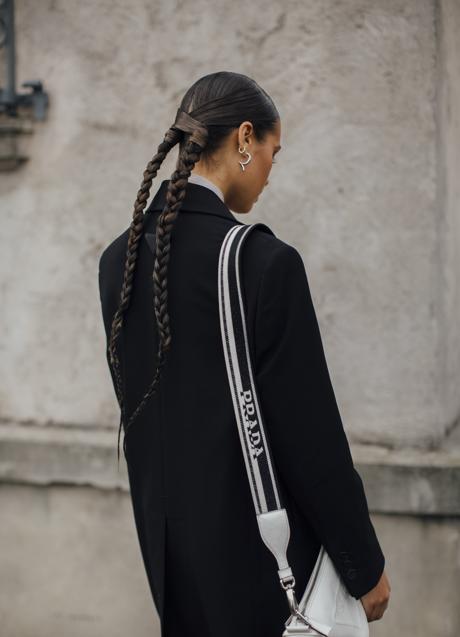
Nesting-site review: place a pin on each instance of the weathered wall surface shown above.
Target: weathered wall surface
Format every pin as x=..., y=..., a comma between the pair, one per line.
x=448, y=209
x=356, y=84
x=77, y=570
x=366, y=187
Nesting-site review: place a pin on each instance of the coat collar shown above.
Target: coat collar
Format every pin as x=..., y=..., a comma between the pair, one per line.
x=197, y=198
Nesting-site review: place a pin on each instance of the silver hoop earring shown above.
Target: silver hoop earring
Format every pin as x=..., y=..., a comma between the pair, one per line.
x=243, y=163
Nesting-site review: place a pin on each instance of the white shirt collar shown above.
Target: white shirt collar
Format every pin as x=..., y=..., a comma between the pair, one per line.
x=203, y=181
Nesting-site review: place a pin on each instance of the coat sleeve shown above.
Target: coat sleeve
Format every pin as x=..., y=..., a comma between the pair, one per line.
x=308, y=441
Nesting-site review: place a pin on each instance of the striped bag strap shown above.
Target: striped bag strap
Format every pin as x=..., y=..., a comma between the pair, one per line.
x=271, y=515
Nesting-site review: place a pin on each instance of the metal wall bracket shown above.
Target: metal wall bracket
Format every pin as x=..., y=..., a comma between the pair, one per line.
x=35, y=102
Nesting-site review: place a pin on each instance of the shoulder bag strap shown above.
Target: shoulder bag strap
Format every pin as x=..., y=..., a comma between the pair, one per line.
x=271, y=515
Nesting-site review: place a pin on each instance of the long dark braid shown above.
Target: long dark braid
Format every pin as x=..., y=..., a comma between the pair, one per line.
x=174, y=197
x=171, y=138
x=212, y=107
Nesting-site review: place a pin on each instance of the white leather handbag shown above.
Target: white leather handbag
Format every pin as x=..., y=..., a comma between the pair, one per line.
x=326, y=607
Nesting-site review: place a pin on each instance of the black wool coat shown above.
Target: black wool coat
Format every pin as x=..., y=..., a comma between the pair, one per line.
x=209, y=572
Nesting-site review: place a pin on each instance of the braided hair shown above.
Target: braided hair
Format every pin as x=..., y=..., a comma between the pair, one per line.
x=211, y=108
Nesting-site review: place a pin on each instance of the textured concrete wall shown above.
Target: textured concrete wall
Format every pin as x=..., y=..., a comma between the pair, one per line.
x=448, y=117
x=366, y=187
x=70, y=565
x=355, y=189
x=74, y=566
